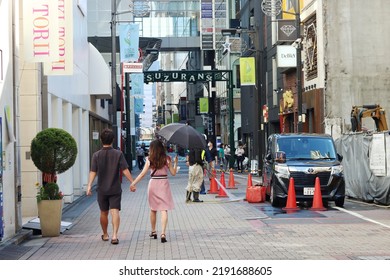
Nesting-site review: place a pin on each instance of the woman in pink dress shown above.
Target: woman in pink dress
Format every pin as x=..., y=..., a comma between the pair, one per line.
x=159, y=191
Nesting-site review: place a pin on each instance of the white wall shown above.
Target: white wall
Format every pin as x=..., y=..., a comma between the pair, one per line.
x=8, y=187
x=357, y=56
x=68, y=105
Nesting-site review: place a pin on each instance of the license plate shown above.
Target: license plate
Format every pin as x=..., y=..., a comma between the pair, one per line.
x=308, y=191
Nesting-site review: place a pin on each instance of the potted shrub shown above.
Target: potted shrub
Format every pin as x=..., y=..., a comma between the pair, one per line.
x=53, y=151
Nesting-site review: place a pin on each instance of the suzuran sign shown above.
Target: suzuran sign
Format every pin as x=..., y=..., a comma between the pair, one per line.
x=186, y=76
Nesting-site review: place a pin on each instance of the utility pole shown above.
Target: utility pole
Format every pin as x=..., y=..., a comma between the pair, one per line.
x=128, y=155
x=299, y=67
x=113, y=73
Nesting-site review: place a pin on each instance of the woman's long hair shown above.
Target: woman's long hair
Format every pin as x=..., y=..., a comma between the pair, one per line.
x=157, y=155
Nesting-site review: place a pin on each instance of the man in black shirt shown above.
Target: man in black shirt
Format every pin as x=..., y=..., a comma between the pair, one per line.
x=107, y=163
x=213, y=162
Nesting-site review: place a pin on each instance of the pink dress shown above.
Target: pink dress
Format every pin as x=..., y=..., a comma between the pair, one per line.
x=159, y=191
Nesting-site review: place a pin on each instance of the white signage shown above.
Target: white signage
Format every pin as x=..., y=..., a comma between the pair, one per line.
x=95, y=135
x=286, y=56
x=48, y=34
x=40, y=30
x=63, y=65
x=132, y=67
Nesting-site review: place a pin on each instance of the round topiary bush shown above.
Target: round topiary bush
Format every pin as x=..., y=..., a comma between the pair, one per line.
x=53, y=151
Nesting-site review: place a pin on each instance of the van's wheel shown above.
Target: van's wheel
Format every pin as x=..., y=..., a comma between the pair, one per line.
x=340, y=201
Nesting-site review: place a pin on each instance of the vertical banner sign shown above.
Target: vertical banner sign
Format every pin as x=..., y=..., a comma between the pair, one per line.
x=247, y=71
x=40, y=30
x=9, y=122
x=63, y=65
x=138, y=105
x=137, y=84
x=129, y=42
x=203, y=105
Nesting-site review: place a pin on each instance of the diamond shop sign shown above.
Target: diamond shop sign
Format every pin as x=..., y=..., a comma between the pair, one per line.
x=186, y=76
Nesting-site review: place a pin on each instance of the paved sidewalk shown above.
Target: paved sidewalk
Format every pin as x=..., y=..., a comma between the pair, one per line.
x=195, y=230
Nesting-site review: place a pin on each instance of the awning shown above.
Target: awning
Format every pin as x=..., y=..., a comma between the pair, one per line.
x=99, y=75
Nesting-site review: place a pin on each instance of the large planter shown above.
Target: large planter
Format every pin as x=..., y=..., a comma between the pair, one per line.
x=50, y=215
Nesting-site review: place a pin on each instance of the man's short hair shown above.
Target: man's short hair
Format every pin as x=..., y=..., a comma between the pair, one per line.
x=107, y=136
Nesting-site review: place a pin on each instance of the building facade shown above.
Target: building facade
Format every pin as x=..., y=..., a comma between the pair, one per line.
x=33, y=101
x=343, y=64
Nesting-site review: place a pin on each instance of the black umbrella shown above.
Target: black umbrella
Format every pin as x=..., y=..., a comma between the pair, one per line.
x=182, y=135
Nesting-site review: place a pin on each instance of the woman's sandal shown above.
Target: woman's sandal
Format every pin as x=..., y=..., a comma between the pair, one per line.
x=163, y=238
x=153, y=234
x=105, y=239
x=115, y=241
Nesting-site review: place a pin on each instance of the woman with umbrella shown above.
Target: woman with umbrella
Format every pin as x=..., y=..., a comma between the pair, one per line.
x=159, y=191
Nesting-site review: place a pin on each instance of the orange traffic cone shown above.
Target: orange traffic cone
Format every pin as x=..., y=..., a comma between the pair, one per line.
x=232, y=184
x=222, y=192
x=291, y=204
x=317, y=199
x=223, y=183
x=213, y=184
x=249, y=183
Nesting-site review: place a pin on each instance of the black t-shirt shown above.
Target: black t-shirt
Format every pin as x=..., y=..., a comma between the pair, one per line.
x=108, y=164
x=213, y=154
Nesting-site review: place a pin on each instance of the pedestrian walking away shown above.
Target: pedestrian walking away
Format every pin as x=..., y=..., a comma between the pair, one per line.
x=140, y=157
x=195, y=175
x=158, y=163
x=107, y=163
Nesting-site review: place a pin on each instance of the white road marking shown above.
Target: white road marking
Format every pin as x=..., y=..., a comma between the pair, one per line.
x=361, y=217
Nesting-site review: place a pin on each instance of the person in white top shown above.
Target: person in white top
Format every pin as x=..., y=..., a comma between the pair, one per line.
x=240, y=154
x=227, y=155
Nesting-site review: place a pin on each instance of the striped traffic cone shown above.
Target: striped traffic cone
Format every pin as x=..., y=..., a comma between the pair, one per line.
x=213, y=184
x=222, y=192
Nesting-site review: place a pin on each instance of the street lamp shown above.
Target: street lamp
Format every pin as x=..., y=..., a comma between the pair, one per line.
x=137, y=8
x=232, y=32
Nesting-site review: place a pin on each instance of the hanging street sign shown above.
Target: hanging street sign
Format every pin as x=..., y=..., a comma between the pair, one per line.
x=186, y=76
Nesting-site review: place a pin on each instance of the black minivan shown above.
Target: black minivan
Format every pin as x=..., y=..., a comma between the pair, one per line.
x=304, y=157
